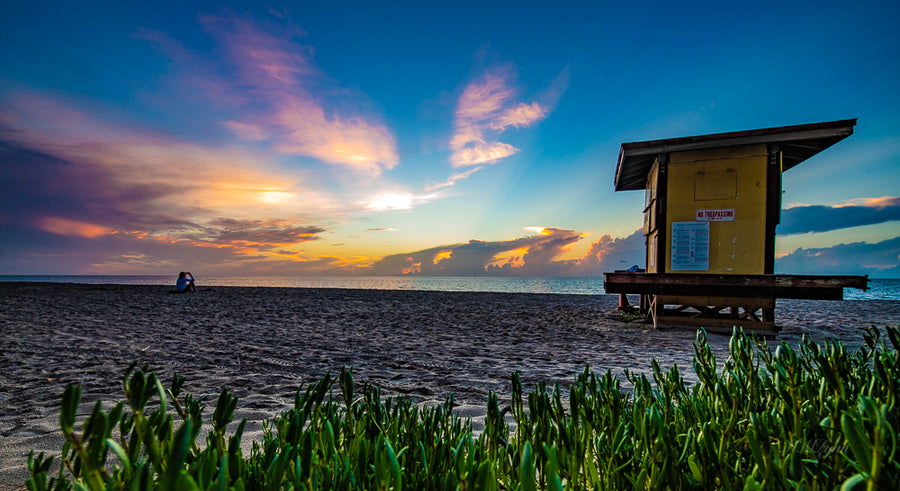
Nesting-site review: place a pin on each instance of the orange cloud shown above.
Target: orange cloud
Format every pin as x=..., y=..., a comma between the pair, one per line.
x=541, y=230
x=440, y=256
x=347, y=263
x=164, y=175
x=156, y=196
x=73, y=228
x=535, y=255
x=243, y=237
x=514, y=258
x=882, y=202
x=412, y=268
x=352, y=142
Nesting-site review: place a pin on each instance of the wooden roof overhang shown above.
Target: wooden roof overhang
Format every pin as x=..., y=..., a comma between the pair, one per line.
x=797, y=143
x=813, y=287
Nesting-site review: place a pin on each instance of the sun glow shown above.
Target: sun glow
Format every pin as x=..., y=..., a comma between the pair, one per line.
x=391, y=201
x=274, y=197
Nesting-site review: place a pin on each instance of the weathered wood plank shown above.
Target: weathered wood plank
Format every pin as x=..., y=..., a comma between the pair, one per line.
x=722, y=302
x=750, y=286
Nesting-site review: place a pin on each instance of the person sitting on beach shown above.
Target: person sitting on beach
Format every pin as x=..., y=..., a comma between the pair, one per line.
x=185, y=283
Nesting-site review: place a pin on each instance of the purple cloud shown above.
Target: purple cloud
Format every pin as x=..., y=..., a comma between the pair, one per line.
x=487, y=107
x=881, y=259
x=817, y=218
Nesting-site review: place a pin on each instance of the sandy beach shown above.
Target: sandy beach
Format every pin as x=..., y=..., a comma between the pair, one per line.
x=263, y=343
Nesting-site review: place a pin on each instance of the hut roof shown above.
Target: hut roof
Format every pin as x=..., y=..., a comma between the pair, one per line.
x=797, y=143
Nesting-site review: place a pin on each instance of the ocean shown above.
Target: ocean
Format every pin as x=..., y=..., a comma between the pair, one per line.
x=879, y=289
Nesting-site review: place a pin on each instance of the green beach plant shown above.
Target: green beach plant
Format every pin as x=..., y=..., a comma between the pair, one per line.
x=812, y=417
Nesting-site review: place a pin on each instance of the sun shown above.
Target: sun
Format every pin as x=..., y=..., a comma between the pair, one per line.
x=391, y=201
x=274, y=197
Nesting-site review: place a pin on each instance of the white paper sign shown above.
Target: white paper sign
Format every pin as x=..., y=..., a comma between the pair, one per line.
x=690, y=246
x=717, y=215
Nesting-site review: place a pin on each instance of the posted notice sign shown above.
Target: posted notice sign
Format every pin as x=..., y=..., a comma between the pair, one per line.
x=690, y=246
x=717, y=215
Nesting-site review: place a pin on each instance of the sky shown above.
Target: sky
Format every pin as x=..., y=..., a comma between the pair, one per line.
x=431, y=138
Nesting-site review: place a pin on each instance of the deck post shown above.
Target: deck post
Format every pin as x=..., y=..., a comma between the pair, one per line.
x=662, y=195
x=773, y=204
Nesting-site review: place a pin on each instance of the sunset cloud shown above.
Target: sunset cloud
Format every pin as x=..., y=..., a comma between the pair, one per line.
x=352, y=142
x=262, y=233
x=514, y=258
x=486, y=108
x=879, y=259
x=151, y=194
x=73, y=228
x=441, y=255
x=534, y=255
x=881, y=202
x=88, y=175
x=143, y=172
x=818, y=218
x=279, y=94
x=289, y=86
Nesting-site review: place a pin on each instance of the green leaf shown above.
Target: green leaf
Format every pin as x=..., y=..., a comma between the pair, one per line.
x=852, y=482
x=120, y=453
x=696, y=471
x=859, y=444
x=393, y=466
x=752, y=485
x=180, y=447
x=526, y=470
x=185, y=483
x=69, y=408
x=162, y=393
x=554, y=483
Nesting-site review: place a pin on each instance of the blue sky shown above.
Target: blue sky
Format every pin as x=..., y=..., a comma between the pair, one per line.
x=405, y=137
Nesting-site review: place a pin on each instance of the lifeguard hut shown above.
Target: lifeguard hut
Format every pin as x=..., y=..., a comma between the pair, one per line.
x=711, y=207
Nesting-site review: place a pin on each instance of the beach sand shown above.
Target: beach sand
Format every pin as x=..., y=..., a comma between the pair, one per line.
x=263, y=343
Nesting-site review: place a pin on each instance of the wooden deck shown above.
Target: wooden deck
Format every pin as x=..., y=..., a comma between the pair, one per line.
x=720, y=302
x=813, y=287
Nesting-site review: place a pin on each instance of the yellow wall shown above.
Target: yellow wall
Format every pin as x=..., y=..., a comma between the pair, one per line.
x=722, y=178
